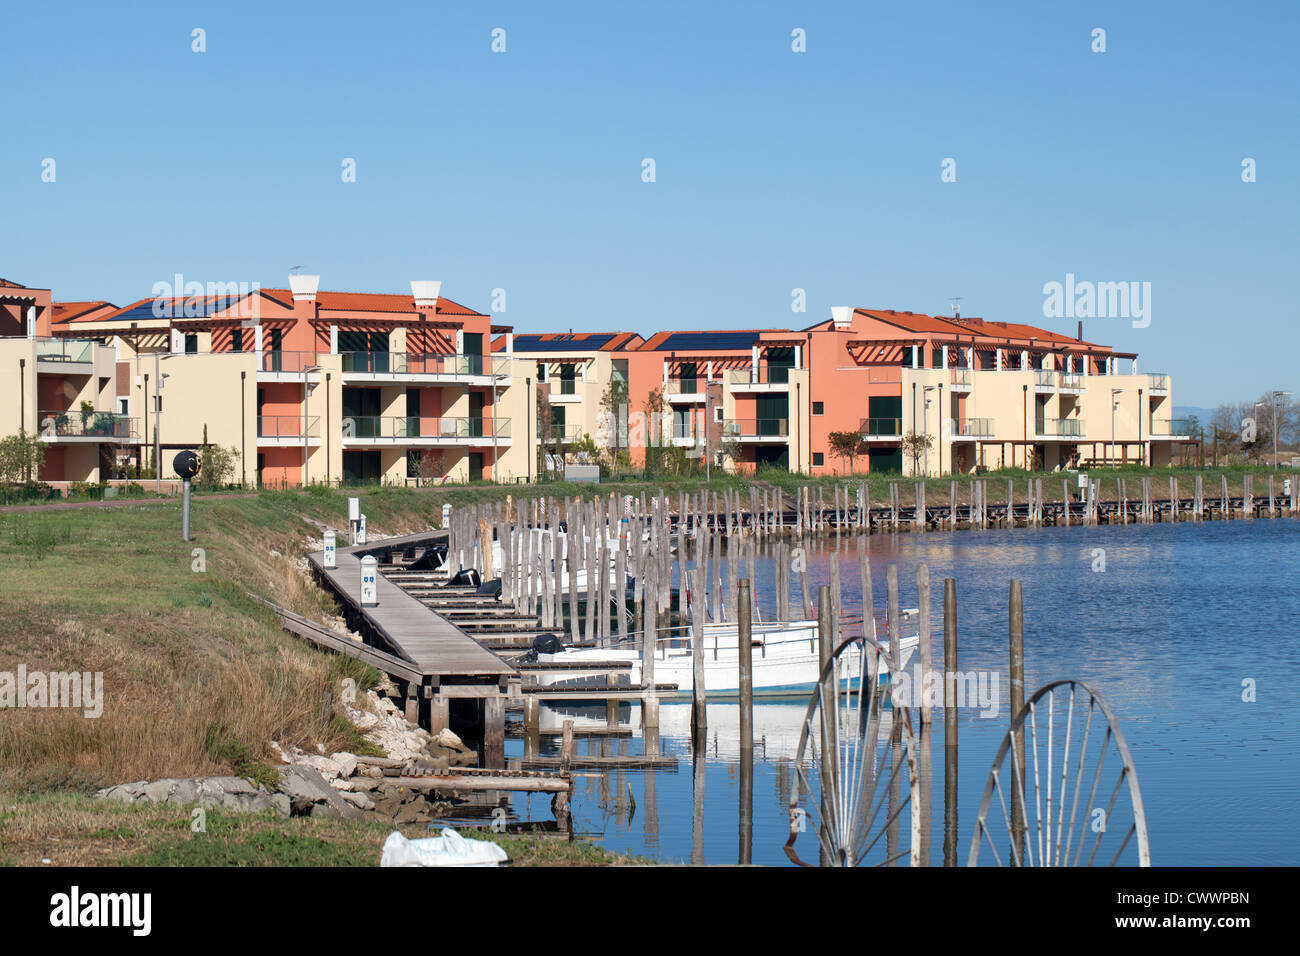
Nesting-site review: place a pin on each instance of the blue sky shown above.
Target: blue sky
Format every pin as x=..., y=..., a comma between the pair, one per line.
x=775, y=170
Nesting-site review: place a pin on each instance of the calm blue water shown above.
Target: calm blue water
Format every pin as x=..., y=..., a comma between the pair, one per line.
x=1182, y=615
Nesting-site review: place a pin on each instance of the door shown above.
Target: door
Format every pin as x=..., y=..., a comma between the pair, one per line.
x=475, y=414
x=473, y=345
x=476, y=466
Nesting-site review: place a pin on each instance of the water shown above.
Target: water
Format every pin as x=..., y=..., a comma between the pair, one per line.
x=1181, y=616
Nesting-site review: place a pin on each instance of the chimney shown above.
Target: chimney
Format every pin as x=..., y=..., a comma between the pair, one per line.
x=1080, y=335
x=304, y=287
x=425, y=293
x=842, y=316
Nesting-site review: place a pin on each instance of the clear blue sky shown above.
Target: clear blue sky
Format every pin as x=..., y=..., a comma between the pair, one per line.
x=775, y=170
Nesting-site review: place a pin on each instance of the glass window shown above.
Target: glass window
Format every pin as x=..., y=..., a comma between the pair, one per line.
x=819, y=408
x=818, y=458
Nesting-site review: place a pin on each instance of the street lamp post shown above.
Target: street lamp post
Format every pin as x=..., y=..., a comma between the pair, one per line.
x=1114, y=406
x=925, y=424
x=306, y=427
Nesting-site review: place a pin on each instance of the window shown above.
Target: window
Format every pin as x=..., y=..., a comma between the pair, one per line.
x=818, y=459
x=568, y=373
x=191, y=344
x=819, y=408
x=682, y=422
x=717, y=413
x=122, y=406
x=237, y=340
x=541, y=372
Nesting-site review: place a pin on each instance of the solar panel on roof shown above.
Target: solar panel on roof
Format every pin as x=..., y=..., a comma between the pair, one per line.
x=707, y=341
x=587, y=343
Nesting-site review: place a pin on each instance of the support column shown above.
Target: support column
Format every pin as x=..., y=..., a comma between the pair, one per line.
x=494, y=732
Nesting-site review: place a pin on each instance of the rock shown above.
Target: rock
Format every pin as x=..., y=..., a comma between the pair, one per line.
x=308, y=793
x=446, y=738
x=323, y=765
x=363, y=784
x=342, y=784
x=347, y=763
x=359, y=800
x=349, y=692
x=229, y=793
x=411, y=813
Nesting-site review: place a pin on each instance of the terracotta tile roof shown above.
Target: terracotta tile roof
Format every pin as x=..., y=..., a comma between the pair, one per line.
x=68, y=311
x=6, y=284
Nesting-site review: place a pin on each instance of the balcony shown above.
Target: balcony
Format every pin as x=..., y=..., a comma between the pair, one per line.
x=1044, y=381
x=563, y=434
x=287, y=430
x=756, y=429
x=1159, y=383
x=415, y=366
x=764, y=378
x=1071, y=383
x=76, y=427
x=684, y=391
x=376, y=431
x=75, y=356
x=881, y=429
x=1058, y=428
x=971, y=428
x=962, y=380
x=1172, y=429
x=276, y=365
x=564, y=391
x=883, y=374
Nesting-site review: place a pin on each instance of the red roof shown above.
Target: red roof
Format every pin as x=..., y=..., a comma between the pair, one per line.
x=67, y=311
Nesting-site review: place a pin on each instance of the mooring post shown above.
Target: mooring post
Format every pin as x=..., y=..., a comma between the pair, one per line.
x=828, y=704
x=744, y=621
x=923, y=632
x=532, y=726
x=494, y=731
x=949, y=722
x=1016, y=630
x=699, y=712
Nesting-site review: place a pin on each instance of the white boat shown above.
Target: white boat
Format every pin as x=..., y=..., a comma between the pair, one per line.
x=785, y=661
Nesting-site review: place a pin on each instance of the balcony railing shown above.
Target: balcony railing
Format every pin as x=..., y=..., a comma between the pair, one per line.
x=961, y=376
x=756, y=428
x=972, y=427
x=688, y=386
x=1044, y=377
x=395, y=427
x=560, y=433
x=1059, y=427
x=1180, y=427
x=79, y=424
x=65, y=350
x=881, y=427
x=1159, y=381
x=884, y=374
x=760, y=375
x=1069, y=381
x=278, y=360
x=417, y=363
x=287, y=427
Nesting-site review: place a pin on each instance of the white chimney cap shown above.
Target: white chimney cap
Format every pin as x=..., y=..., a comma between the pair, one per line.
x=842, y=315
x=304, y=287
x=425, y=292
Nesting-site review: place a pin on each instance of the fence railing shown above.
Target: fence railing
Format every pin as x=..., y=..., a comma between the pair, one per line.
x=287, y=426
x=1172, y=427
x=79, y=424
x=65, y=350
x=1060, y=427
x=881, y=427
x=756, y=428
x=396, y=427
x=972, y=427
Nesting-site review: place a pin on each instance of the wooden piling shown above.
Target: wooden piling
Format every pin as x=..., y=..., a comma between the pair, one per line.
x=1016, y=633
x=923, y=630
x=949, y=722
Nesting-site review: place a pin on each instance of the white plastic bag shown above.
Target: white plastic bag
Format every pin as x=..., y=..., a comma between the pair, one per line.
x=450, y=849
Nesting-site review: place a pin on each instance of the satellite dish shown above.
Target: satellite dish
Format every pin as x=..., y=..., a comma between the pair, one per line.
x=186, y=464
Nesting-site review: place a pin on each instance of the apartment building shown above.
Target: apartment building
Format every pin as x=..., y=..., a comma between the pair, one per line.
x=62, y=391
x=312, y=385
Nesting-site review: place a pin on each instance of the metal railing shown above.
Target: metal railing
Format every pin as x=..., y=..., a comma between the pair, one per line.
x=395, y=427
x=756, y=428
x=689, y=386
x=1180, y=427
x=278, y=360
x=758, y=375
x=417, y=363
x=961, y=376
x=560, y=433
x=287, y=426
x=1059, y=427
x=972, y=427
x=79, y=424
x=1045, y=377
x=1159, y=380
x=65, y=350
x=1069, y=380
x=881, y=427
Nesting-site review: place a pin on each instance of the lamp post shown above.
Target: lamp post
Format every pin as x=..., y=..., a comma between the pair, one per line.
x=1277, y=400
x=1114, y=406
x=306, y=428
x=158, y=377
x=925, y=423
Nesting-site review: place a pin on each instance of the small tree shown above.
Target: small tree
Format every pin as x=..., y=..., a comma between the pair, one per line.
x=915, y=446
x=21, y=458
x=847, y=446
x=614, y=402
x=653, y=406
x=216, y=467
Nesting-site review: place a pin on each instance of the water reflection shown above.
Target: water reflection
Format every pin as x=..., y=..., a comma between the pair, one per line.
x=1181, y=615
